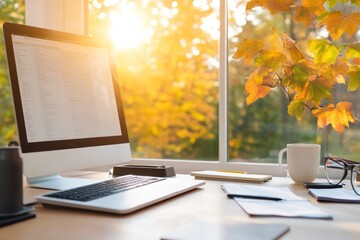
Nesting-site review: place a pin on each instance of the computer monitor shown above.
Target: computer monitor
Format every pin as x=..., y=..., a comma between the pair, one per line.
x=67, y=103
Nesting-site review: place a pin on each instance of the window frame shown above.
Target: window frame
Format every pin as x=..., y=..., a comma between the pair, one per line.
x=71, y=16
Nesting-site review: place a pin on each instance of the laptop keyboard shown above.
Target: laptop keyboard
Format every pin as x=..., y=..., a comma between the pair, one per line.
x=103, y=189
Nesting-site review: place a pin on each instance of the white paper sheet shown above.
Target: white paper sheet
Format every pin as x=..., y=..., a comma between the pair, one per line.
x=242, y=190
x=290, y=205
x=283, y=208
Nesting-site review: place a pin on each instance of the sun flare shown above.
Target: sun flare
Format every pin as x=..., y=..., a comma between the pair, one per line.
x=126, y=31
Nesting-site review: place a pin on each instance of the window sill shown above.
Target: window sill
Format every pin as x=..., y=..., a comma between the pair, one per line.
x=186, y=166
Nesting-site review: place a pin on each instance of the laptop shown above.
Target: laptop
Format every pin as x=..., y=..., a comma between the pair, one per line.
x=70, y=117
x=121, y=202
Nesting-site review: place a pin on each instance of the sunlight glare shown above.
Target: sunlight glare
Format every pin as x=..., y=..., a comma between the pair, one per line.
x=126, y=30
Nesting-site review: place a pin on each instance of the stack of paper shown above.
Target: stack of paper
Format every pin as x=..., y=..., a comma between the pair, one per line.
x=272, y=201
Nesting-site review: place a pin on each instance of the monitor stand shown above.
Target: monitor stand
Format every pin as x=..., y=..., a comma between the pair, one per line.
x=57, y=182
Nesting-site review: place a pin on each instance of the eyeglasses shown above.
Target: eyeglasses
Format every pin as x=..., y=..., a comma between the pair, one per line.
x=337, y=168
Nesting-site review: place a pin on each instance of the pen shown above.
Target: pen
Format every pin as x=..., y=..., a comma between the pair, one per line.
x=255, y=197
x=231, y=171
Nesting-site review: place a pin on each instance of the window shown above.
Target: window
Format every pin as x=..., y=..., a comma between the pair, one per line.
x=257, y=132
x=184, y=93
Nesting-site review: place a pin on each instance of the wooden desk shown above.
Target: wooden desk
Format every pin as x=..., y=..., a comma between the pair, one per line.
x=208, y=202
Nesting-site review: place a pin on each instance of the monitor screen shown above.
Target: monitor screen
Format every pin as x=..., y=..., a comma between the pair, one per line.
x=67, y=101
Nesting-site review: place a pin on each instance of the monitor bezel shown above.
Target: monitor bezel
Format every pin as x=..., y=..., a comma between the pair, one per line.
x=10, y=29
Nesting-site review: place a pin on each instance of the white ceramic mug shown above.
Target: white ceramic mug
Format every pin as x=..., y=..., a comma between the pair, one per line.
x=303, y=160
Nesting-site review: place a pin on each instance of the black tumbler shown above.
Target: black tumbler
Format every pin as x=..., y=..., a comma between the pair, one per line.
x=11, y=195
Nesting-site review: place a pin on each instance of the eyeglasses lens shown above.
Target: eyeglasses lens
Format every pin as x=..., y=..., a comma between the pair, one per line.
x=356, y=179
x=334, y=170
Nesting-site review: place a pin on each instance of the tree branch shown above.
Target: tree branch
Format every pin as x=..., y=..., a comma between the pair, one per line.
x=280, y=83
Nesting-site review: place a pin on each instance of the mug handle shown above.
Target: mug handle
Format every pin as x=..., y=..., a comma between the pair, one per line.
x=280, y=157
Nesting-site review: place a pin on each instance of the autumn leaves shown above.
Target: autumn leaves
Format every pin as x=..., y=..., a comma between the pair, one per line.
x=306, y=73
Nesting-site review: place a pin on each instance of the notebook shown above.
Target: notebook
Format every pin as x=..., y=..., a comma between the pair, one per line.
x=264, y=201
x=231, y=176
x=335, y=195
x=124, y=201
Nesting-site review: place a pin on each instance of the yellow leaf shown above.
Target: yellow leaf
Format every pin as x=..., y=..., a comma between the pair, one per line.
x=323, y=115
x=290, y=45
x=354, y=80
x=339, y=116
x=296, y=108
x=337, y=23
x=307, y=12
x=324, y=51
x=336, y=71
x=271, y=42
x=304, y=15
x=274, y=6
x=270, y=59
x=255, y=91
x=353, y=51
x=346, y=107
x=316, y=90
x=313, y=3
x=248, y=49
x=297, y=75
x=259, y=74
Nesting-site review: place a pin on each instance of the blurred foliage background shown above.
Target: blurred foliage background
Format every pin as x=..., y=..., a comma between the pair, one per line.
x=10, y=11
x=167, y=58
x=168, y=78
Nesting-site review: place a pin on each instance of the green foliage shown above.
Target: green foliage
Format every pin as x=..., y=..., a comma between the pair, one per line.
x=10, y=11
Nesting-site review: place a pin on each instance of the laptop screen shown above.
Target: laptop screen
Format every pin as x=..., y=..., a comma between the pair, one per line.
x=64, y=91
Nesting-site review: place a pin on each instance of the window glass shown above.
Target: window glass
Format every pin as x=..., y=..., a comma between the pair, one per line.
x=166, y=53
x=167, y=59
x=257, y=132
x=11, y=11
